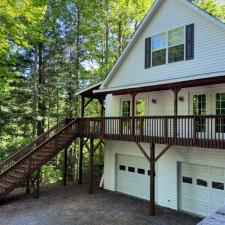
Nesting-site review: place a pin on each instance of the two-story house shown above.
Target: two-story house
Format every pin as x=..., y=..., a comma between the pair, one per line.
x=165, y=95
x=164, y=122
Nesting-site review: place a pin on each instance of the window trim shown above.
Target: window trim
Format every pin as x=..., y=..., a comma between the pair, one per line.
x=167, y=47
x=121, y=105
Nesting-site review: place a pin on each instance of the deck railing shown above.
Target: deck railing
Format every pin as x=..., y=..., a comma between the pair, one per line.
x=201, y=131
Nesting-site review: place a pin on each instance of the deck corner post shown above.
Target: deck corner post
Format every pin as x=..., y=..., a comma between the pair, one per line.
x=81, y=161
x=91, y=166
x=38, y=183
x=28, y=186
x=152, y=179
x=133, y=95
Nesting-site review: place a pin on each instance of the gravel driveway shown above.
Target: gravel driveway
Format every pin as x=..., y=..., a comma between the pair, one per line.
x=72, y=205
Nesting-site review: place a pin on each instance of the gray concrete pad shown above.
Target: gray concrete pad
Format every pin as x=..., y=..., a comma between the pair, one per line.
x=72, y=205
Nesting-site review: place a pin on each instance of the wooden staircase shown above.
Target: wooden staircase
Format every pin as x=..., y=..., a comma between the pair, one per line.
x=18, y=167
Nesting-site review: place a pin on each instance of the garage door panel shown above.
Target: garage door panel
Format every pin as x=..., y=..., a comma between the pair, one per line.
x=206, y=186
x=217, y=172
x=135, y=183
x=202, y=194
x=218, y=197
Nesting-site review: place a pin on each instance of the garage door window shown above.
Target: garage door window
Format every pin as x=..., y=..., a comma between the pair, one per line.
x=122, y=167
x=201, y=182
x=218, y=185
x=141, y=171
x=131, y=169
x=187, y=180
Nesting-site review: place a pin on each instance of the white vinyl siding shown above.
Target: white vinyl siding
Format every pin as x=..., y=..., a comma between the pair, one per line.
x=167, y=183
x=209, y=49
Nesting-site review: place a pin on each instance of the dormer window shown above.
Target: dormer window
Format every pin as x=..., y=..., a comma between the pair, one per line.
x=169, y=47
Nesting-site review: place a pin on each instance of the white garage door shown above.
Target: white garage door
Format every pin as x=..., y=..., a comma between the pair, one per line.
x=133, y=176
x=201, y=188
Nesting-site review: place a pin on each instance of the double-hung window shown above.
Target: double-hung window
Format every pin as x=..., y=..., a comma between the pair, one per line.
x=176, y=45
x=159, y=49
x=168, y=47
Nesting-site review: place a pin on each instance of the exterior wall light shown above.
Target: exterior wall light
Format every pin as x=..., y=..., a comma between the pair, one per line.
x=181, y=98
x=154, y=101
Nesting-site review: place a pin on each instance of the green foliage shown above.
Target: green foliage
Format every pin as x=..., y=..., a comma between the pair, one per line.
x=51, y=174
x=214, y=9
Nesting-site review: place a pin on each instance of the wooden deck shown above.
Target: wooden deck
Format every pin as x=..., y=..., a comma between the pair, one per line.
x=190, y=131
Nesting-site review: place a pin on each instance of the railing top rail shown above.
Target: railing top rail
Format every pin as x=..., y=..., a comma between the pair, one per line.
x=152, y=117
x=36, y=141
x=38, y=147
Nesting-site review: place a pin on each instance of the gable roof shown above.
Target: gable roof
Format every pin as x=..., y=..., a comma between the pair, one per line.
x=142, y=26
x=89, y=91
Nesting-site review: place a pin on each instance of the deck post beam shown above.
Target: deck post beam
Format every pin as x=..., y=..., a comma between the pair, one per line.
x=82, y=107
x=38, y=183
x=143, y=151
x=175, y=91
x=91, y=165
x=162, y=152
x=133, y=95
x=152, y=179
x=65, y=167
x=28, y=185
x=33, y=182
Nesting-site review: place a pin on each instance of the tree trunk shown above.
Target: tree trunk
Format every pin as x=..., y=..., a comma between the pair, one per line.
x=41, y=103
x=107, y=31
x=34, y=103
x=120, y=37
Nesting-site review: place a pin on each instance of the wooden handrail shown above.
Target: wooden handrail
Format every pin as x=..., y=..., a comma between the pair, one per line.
x=38, y=147
x=23, y=151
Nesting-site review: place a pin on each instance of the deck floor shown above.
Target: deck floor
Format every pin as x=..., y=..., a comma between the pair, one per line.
x=72, y=205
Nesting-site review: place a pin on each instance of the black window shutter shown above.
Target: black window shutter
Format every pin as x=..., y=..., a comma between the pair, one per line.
x=190, y=42
x=147, y=53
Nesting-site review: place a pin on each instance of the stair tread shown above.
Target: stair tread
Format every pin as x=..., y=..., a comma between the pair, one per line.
x=45, y=152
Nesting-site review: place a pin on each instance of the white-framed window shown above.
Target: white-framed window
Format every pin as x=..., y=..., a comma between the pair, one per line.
x=168, y=47
x=159, y=49
x=126, y=108
x=220, y=110
x=199, y=109
x=176, y=43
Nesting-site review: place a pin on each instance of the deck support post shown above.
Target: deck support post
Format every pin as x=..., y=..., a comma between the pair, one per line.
x=91, y=166
x=38, y=183
x=65, y=167
x=133, y=112
x=175, y=91
x=33, y=182
x=82, y=106
x=28, y=186
x=152, y=179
